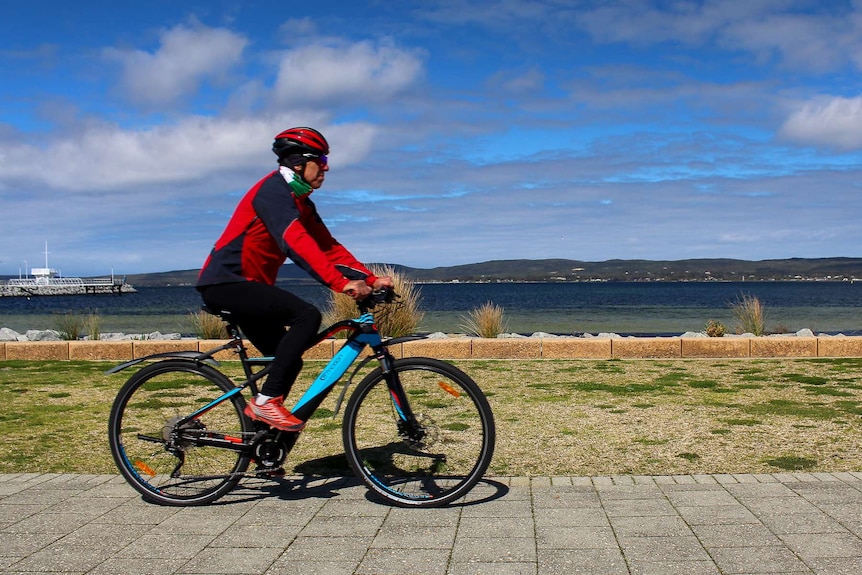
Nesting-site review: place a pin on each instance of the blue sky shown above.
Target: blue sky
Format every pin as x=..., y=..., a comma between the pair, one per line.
x=461, y=131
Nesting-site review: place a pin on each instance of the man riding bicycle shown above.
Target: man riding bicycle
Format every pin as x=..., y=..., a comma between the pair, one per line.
x=276, y=220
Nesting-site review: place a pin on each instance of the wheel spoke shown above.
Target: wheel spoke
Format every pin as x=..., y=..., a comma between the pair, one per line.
x=434, y=460
x=170, y=463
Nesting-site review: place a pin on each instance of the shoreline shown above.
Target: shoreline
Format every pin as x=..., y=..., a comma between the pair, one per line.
x=52, y=335
x=629, y=309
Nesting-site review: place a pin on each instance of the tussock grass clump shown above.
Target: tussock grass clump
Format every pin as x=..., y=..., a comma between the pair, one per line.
x=208, y=326
x=749, y=314
x=485, y=321
x=69, y=326
x=401, y=317
x=93, y=326
x=715, y=328
x=73, y=326
x=341, y=307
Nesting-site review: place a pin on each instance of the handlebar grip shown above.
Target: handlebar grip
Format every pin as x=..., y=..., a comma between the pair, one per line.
x=384, y=295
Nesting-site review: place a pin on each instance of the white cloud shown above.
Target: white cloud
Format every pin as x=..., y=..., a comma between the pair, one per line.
x=299, y=29
x=829, y=122
x=810, y=42
x=350, y=143
x=768, y=29
x=530, y=81
x=184, y=59
x=105, y=157
x=330, y=73
x=640, y=23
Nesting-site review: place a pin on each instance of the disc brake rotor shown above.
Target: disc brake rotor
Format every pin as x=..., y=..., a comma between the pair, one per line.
x=425, y=434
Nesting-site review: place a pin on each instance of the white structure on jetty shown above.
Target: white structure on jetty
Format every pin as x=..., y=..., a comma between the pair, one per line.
x=48, y=281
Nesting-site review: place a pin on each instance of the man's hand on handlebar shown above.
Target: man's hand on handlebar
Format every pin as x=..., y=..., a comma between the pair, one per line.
x=384, y=282
x=361, y=292
x=357, y=289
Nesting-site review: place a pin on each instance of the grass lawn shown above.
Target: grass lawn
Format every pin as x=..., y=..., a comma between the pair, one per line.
x=566, y=417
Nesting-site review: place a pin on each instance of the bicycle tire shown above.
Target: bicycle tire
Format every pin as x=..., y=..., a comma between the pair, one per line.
x=141, y=421
x=448, y=461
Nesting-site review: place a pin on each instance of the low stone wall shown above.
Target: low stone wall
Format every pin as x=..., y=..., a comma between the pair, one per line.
x=477, y=348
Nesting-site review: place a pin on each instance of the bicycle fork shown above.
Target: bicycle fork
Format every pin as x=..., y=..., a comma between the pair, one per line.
x=409, y=427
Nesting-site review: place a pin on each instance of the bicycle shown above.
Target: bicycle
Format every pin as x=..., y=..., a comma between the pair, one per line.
x=418, y=431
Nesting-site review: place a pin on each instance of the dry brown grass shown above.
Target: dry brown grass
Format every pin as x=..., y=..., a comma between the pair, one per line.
x=750, y=315
x=485, y=321
x=401, y=317
x=659, y=418
x=208, y=326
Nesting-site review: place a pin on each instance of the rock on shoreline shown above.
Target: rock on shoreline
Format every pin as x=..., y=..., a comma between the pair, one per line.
x=7, y=334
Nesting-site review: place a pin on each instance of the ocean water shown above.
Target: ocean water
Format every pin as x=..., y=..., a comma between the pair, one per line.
x=571, y=308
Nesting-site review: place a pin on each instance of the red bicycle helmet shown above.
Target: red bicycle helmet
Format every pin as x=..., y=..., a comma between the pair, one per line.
x=298, y=142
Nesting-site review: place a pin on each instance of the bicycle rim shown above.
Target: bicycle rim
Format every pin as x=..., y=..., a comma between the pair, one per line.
x=149, y=452
x=456, y=429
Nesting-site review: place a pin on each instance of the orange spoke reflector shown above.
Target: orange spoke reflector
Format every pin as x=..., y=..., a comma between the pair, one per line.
x=143, y=467
x=448, y=388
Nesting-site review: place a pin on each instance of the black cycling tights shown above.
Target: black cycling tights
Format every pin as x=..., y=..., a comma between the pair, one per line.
x=262, y=312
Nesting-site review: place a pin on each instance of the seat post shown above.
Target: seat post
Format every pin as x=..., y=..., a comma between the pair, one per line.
x=232, y=331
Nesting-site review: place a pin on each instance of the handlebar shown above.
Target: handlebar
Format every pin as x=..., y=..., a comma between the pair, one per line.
x=384, y=295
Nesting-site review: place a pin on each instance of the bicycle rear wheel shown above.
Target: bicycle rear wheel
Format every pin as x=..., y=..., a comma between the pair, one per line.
x=433, y=460
x=168, y=463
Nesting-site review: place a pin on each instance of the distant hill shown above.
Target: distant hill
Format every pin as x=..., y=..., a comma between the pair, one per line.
x=647, y=270
x=833, y=269
x=289, y=273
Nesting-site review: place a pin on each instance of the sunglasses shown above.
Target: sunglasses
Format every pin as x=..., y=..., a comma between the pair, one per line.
x=319, y=160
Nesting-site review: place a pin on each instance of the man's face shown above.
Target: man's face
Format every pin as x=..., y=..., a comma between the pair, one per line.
x=314, y=171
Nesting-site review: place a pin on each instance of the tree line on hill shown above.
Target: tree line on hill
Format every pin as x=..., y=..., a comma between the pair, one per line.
x=564, y=270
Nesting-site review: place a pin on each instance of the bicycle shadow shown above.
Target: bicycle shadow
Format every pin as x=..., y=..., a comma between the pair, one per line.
x=330, y=477
x=322, y=478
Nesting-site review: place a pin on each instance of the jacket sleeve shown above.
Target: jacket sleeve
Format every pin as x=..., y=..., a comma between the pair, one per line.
x=338, y=255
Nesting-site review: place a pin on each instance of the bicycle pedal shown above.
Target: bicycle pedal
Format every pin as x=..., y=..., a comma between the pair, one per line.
x=264, y=472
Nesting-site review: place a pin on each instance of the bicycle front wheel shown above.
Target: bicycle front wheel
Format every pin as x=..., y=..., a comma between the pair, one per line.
x=428, y=452
x=172, y=463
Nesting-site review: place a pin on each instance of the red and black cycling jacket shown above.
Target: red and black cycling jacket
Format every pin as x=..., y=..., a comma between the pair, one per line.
x=269, y=225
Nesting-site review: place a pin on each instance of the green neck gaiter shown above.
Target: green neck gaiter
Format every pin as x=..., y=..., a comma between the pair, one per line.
x=297, y=185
